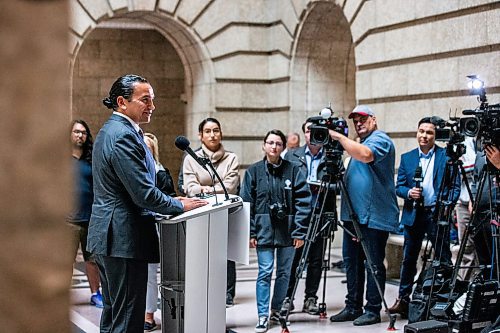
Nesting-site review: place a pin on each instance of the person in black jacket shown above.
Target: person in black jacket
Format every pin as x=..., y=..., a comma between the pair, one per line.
x=279, y=213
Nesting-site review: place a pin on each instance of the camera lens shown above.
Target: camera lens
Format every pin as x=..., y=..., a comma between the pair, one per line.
x=470, y=126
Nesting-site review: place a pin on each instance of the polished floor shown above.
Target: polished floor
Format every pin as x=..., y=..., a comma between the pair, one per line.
x=242, y=317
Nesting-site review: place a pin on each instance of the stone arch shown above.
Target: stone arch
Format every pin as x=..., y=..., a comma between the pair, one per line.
x=323, y=65
x=194, y=97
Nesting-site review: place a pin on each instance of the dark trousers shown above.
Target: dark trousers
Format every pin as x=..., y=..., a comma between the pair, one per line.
x=483, y=243
x=231, y=278
x=314, y=263
x=124, y=284
x=413, y=237
x=355, y=264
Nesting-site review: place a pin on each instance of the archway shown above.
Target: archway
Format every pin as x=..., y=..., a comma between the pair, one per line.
x=323, y=67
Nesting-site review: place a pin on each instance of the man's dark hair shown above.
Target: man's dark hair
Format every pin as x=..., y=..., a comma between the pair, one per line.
x=123, y=86
x=278, y=133
x=89, y=142
x=208, y=120
x=427, y=120
x=308, y=120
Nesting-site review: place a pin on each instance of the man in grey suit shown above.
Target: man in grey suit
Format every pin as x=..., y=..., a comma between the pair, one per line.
x=122, y=233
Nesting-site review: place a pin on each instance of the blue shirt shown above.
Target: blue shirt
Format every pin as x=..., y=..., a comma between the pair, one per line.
x=84, y=195
x=371, y=186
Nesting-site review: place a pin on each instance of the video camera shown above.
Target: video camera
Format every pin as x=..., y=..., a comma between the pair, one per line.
x=322, y=124
x=485, y=123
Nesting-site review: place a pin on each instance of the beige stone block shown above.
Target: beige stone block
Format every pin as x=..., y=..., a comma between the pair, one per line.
x=80, y=21
x=493, y=26
x=219, y=14
x=118, y=4
x=365, y=19
x=351, y=6
x=147, y=5
x=242, y=67
x=364, y=84
x=473, y=3
x=188, y=10
x=105, y=33
x=97, y=9
x=298, y=96
x=485, y=65
x=390, y=81
x=91, y=68
x=427, y=8
x=252, y=123
x=408, y=42
x=85, y=86
x=432, y=76
x=464, y=31
x=167, y=5
x=234, y=38
x=228, y=95
x=393, y=11
x=403, y=116
x=371, y=49
x=147, y=69
x=285, y=13
x=279, y=66
x=299, y=6
x=252, y=150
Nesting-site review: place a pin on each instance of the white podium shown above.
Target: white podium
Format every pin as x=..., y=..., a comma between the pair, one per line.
x=194, y=249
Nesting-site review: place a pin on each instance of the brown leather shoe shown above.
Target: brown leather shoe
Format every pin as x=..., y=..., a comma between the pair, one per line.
x=401, y=307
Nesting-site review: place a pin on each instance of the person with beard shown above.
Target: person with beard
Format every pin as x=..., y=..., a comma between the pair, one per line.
x=81, y=149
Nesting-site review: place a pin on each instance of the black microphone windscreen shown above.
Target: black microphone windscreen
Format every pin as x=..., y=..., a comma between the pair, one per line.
x=182, y=142
x=418, y=172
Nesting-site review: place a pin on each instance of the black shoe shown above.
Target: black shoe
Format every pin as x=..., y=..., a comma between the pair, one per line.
x=401, y=307
x=368, y=318
x=346, y=315
x=149, y=327
x=229, y=301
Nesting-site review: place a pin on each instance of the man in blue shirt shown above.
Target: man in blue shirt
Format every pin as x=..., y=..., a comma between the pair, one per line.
x=369, y=180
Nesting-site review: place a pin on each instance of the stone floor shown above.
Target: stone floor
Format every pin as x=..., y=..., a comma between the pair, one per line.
x=242, y=317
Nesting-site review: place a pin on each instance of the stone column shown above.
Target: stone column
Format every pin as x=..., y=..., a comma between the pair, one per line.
x=35, y=180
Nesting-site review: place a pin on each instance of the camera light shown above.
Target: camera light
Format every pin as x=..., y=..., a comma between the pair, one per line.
x=326, y=113
x=475, y=83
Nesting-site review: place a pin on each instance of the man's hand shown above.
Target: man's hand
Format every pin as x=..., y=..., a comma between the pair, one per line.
x=253, y=242
x=207, y=189
x=297, y=243
x=493, y=155
x=415, y=193
x=191, y=203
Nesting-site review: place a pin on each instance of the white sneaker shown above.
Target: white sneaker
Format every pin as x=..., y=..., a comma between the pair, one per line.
x=262, y=325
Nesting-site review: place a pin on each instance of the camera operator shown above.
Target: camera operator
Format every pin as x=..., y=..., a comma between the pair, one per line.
x=419, y=206
x=482, y=236
x=312, y=162
x=369, y=180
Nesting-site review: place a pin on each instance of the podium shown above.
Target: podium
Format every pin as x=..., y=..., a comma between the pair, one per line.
x=194, y=248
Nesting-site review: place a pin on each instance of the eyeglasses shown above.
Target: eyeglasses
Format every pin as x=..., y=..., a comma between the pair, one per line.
x=77, y=132
x=277, y=143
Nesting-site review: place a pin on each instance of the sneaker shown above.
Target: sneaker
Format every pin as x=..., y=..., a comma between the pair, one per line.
x=287, y=305
x=229, y=301
x=96, y=300
x=149, y=327
x=345, y=315
x=368, y=318
x=274, y=316
x=310, y=306
x=262, y=325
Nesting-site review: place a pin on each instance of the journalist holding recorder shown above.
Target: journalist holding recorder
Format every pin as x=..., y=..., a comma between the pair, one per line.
x=279, y=199
x=370, y=185
x=420, y=175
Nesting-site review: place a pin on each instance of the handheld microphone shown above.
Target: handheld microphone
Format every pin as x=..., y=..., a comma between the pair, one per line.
x=182, y=143
x=417, y=178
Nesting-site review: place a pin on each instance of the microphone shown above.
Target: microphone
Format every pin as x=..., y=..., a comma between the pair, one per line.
x=417, y=178
x=182, y=143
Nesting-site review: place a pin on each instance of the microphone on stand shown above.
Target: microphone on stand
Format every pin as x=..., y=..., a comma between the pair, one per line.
x=182, y=143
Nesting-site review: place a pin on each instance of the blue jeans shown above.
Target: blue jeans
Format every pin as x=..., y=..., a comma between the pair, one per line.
x=265, y=257
x=356, y=264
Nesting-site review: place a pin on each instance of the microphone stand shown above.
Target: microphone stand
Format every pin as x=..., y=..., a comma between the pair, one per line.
x=206, y=161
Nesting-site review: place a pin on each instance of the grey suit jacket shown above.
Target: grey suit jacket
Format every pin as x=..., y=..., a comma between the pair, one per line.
x=125, y=195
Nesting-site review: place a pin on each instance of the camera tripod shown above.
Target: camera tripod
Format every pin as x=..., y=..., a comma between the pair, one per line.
x=331, y=181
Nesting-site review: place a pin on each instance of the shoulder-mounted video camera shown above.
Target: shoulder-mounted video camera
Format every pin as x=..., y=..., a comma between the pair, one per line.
x=278, y=211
